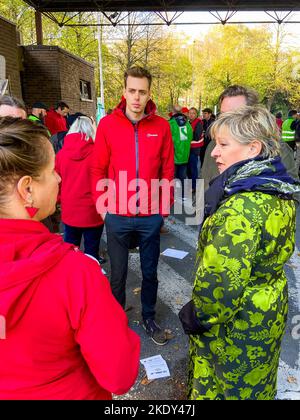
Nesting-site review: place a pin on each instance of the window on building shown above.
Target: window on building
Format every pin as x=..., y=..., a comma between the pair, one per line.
x=85, y=90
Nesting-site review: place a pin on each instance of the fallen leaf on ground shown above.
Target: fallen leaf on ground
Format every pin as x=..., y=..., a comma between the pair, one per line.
x=178, y=301
x=146, y=381
x=137, y=290
x=292, y=380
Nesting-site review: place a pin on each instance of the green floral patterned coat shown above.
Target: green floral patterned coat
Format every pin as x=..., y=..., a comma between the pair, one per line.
x=240, y=293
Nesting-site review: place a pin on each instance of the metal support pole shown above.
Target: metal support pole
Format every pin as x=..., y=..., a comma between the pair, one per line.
x=39, y=27
x=100, y=61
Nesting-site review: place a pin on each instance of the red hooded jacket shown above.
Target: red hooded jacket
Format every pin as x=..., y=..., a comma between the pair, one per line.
x=73, y=163
x=133, y=156
x=66, y=337
x=55, y=122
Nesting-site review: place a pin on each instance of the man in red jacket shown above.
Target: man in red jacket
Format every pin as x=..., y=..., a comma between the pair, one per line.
x=134, y=151
x=55, y=119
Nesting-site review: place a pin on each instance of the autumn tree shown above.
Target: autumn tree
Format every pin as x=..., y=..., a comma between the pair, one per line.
x=192, y=73
x=248, y=56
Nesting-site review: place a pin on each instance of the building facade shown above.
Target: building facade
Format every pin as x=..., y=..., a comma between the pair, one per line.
x=9, y=40
x=52, y=74
x=46, y=73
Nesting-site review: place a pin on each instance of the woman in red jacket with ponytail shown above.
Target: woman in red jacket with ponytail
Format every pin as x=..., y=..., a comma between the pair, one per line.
x=78, y=210
x=62, y=334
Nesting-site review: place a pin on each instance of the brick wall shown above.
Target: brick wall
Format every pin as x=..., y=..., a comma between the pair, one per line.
x=40, y=78
x=9, y=49
x=72, y=70
x=52, y=74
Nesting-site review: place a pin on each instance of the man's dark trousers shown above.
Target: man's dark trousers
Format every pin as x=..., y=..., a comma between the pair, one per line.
x=180, y=173
x=119, y=232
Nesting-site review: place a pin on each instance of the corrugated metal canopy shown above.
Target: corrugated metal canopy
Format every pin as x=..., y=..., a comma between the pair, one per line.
x=162, y=5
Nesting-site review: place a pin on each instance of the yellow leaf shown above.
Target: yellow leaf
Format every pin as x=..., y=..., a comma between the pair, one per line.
x=146, y=381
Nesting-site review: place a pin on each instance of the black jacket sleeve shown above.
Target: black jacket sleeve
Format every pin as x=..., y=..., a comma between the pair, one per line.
x=198, y=132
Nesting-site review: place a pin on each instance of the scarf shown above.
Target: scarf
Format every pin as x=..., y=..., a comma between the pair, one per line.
x=259, y=174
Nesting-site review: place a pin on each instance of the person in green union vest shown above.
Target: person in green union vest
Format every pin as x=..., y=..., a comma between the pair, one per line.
x=38, y=114
x=288, y=134
x=182, y=135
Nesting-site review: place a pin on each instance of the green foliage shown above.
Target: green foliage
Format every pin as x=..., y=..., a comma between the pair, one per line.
x=240, y=55
x=19, y=13
x=193, y=75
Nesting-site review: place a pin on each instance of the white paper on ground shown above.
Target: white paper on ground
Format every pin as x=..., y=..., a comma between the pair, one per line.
x=156, y=367
x=174, y=253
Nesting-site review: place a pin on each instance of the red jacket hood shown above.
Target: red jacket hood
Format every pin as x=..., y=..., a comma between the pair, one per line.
x=77, y=147
x=27, y=251
x=149, y=110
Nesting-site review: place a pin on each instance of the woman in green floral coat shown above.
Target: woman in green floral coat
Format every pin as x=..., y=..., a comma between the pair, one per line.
x=240, y=294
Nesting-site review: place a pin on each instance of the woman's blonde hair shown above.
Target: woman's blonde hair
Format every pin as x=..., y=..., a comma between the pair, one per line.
x=250, y=123
x=83, y=125
x=23, y=151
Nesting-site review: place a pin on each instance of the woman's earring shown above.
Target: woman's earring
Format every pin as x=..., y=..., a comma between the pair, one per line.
x=32, y=211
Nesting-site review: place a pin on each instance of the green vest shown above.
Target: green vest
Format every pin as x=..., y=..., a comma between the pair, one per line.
x=37, y=120
x=34, y=118
x=287, y=133
x=182, y=137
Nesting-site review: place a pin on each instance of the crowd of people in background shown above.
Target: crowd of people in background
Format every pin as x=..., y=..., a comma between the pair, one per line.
x=189, y=128
x=59, y=307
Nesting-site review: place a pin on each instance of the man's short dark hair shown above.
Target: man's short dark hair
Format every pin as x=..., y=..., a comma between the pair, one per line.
x=292, y=112
x=138, y=72
x=250, y=95
x=208, y=110
x=12, y=101
x=62, y=105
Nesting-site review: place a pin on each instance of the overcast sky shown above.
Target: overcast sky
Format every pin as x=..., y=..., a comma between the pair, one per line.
x=198, y=31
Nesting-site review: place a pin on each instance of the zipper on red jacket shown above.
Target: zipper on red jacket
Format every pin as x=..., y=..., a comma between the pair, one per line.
x=136, y=136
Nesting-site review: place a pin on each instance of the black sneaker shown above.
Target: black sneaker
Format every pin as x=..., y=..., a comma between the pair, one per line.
x=155, y=332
